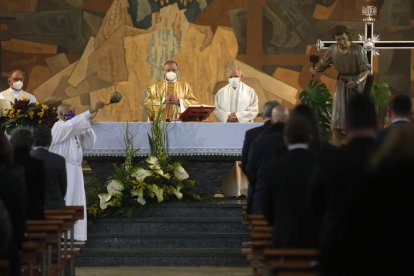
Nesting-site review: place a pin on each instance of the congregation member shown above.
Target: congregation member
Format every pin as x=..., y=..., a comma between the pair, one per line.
x=14, y=196
x=285, y=197
x=249, y=137
x=236, y=102
x=399, y=112
x=31, y=170
x=351, y=62
x=70, y=136
x=173, y=94
x=56, y=182
x=263, y=149
x=377, y=232
x=15, y=91
x=335, y=179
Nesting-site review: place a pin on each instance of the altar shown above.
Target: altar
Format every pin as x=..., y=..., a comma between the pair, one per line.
x=208, y=151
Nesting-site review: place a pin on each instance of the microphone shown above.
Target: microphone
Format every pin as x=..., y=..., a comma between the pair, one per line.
x=314, y=59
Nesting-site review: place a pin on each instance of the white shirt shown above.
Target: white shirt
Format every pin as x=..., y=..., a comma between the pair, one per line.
x=10, y=95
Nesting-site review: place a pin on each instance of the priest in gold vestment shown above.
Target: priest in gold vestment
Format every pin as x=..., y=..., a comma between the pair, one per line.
x=175, y=94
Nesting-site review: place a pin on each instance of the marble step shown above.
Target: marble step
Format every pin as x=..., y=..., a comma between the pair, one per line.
x=167, y=240
x=161, y=257
x=167, y=224
x=190, y=210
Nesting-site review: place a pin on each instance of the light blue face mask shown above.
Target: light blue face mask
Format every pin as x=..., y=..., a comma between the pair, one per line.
x=68, y=116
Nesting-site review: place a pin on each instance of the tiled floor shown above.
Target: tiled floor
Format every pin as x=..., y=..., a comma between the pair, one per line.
x=163, y=271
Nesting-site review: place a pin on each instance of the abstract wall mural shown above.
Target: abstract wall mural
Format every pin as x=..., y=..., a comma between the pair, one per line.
x=82, y=50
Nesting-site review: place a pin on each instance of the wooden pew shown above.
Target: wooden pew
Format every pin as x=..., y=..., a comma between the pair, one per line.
x=70, y=248
x=291, y=261
x=53, y=230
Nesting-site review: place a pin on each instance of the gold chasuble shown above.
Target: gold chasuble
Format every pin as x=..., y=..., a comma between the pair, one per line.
x=158, y=91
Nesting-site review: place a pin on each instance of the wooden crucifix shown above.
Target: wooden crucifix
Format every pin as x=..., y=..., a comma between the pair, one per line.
x=370, y=42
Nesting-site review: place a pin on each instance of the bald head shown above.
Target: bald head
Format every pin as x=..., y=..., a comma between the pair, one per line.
x=280, y=114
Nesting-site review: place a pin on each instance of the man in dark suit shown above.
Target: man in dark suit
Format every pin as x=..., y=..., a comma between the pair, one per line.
x=399, y=112
x=335, y=180
x=249, y=137
x=270, y=143
x=285, y=199
x=55, y=168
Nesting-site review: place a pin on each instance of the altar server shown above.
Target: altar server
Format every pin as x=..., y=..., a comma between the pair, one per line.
x=236, y=102
x=70, y=135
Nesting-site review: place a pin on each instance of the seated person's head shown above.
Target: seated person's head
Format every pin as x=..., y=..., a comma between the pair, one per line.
x=22, y=141
x=280, y=114
x=400, y=106
x=297, y=131
x=66, y=112
x=267, y=109
x=170, y=69
x=42, y=136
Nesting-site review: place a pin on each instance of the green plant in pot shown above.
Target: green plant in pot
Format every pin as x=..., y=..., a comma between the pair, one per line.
x=317, y=96
x=380, y=94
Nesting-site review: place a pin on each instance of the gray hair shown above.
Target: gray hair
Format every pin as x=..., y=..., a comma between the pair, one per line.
x=14, y=71
x=267, y=108
x=232, y=66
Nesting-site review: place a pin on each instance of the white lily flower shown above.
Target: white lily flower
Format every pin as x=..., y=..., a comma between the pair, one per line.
x=152, y=160
x=104, y=200
x=140, y=194
x=179, y=172
x=177, y=192
x=140, y=174
x=159, y=192
x=115, y=187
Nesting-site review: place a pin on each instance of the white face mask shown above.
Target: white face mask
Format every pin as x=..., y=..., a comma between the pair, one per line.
x=171, y=76
x=17, y=85
x=234, y=82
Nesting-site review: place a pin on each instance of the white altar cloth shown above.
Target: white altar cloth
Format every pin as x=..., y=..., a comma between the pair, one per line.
x=183, y=139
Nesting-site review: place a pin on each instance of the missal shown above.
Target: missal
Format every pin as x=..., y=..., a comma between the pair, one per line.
x=197, y=113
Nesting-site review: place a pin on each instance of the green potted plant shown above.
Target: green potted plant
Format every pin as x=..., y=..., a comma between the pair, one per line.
x=317, y=96
x=380, y=94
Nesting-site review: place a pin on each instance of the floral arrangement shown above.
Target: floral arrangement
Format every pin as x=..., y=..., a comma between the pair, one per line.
x=25, y=113
x=156, y=179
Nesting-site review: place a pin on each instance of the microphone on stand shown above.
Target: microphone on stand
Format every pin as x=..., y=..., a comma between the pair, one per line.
x=314, y=59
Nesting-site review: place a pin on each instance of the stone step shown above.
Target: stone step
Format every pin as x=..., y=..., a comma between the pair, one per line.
x=161, y=257
x=167, y=224
x=231, y=209
x=166, y=240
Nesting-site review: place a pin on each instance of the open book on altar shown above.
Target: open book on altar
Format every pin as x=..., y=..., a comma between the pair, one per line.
x=198, y=113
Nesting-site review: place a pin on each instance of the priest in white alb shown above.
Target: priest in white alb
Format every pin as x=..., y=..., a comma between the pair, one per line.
x=70, y=136
x=236, y=102
x=15, y=91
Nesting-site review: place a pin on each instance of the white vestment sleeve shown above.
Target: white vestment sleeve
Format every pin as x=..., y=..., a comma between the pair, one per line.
x=220, y=114
x=88, y=139
x=61, y=132
x=250, y=113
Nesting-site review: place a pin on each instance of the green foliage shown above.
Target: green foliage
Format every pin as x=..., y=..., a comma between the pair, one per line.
x=317, y=96
x=156, y=179
x=380, y=93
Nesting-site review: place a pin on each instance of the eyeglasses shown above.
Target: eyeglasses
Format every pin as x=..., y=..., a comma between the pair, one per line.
x=18, y=79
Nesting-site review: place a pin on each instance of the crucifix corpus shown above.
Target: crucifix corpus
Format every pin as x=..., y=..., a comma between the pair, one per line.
x=371, y=43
